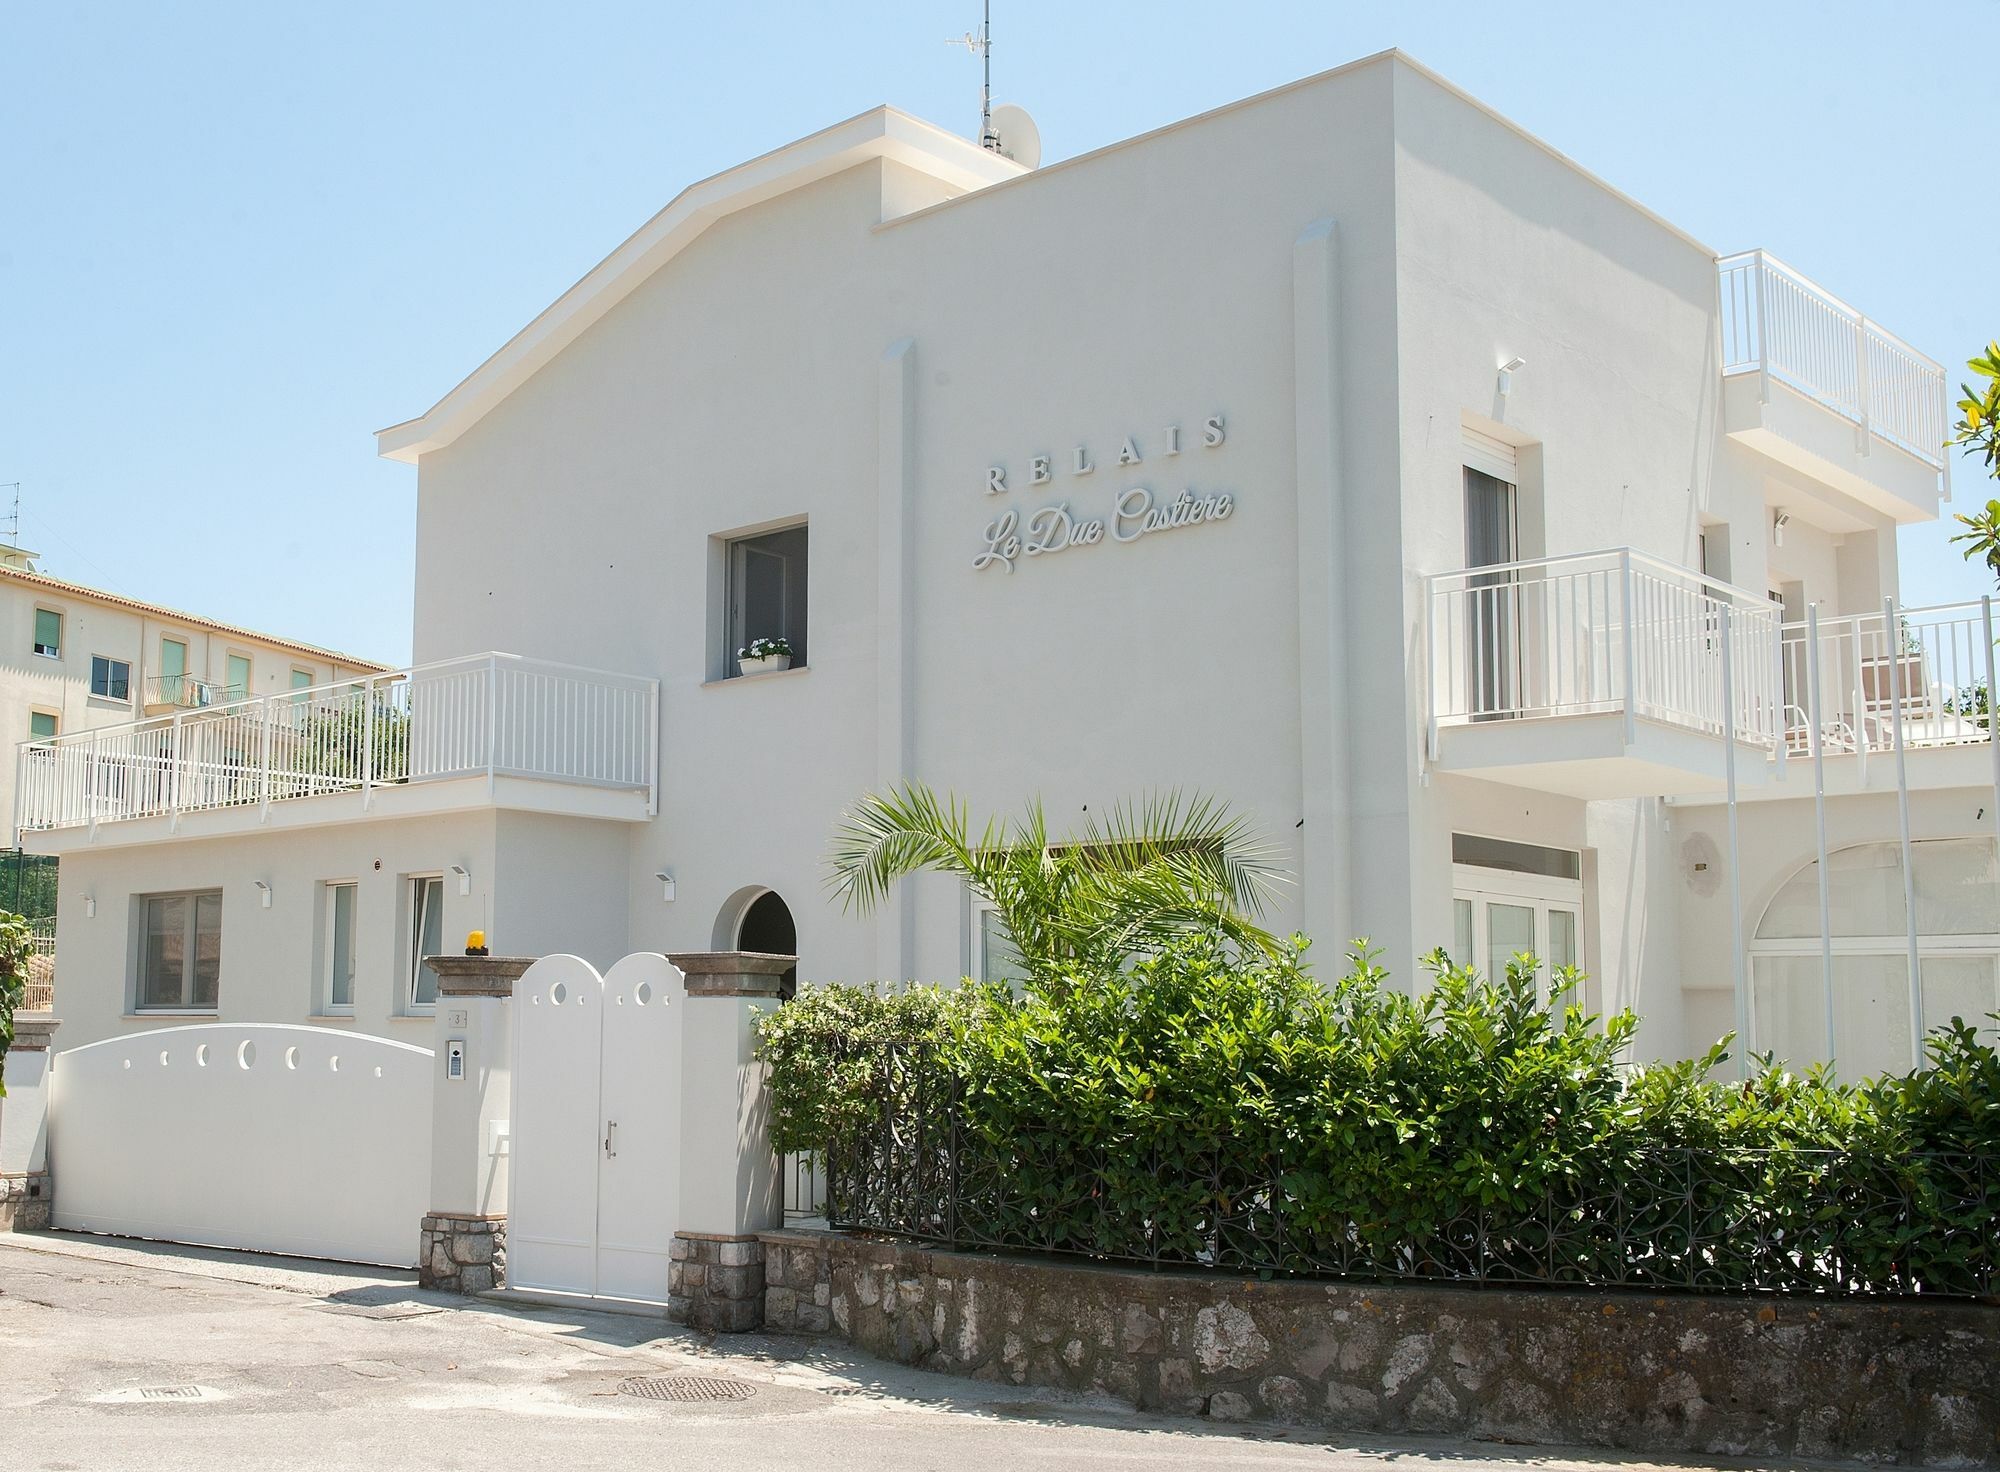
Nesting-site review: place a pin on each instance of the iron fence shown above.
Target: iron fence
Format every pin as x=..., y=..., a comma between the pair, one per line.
x=28, y=884
x=1660, y=1219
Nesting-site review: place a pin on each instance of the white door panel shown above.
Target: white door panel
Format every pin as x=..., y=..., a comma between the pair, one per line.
x=552, y=1211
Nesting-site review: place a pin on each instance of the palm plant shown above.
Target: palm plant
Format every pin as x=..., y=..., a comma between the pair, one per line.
x=1125, y=885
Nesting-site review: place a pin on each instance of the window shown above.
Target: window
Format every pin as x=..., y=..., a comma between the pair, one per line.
x=1957, y=886
x=301, y=682
x=43, y=725
x=426, y=937
x=238, y=684
x=994, y=956
x=48, y=633
x=767, y=593
x=181, y=955
x=110, y=679
x=1510, y=897
x=174, y=684
x=338, y=979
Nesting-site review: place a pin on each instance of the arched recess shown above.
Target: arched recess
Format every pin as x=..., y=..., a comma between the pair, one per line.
x=756, y=918
x=1957, y=887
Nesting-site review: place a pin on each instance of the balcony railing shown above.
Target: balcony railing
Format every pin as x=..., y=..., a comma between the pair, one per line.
x=1599, y=633
x=179, y=692
x=1934, y=669
x=491, y=715
x=1777, y=323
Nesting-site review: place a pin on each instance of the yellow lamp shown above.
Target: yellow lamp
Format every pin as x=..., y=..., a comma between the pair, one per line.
x=475, y=943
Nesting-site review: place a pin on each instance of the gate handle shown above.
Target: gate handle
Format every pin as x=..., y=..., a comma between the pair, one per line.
x=609, y=1126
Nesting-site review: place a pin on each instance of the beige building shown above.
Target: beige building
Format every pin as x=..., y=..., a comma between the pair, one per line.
x=75, y=658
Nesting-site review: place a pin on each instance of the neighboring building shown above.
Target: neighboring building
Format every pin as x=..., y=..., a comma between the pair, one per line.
x=1345, y=452
x=77, y=659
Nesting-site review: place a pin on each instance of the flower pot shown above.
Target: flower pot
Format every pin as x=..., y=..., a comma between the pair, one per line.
x=765, y=665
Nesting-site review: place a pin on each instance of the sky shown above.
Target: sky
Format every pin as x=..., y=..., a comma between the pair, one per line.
x=236, y=239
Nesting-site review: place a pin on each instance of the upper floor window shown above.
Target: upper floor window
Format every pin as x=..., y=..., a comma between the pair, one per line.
x=110, y=679
x=767, y=593
x=43, y=725
x=48, y=633
x=181, y=951
x=301, y=682
x=237, y=685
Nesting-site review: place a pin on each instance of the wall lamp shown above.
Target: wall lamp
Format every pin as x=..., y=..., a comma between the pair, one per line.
x=1507, y=371
x=263, y=893
x=1778, y=525
x=666, y=879
x=464, y=878
x=90, y=907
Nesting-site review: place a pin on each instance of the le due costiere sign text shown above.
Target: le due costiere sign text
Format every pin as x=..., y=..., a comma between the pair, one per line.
x=1136, y=513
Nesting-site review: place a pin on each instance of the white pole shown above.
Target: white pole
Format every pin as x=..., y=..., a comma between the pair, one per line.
x=1735, y=852
x=1819, y=822
x=1894, y=640
x=1986, y=624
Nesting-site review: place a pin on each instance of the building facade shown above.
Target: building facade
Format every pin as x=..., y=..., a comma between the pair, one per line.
x=1347, y=453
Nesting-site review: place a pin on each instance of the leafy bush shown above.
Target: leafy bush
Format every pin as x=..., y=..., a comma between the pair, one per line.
x=14, y=947
x=1204, y=1106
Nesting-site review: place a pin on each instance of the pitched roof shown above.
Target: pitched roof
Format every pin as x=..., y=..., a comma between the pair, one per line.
x=880, y=133
x=175, y=615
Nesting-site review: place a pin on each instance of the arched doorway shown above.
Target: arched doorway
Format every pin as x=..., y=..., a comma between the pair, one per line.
x=767, y=926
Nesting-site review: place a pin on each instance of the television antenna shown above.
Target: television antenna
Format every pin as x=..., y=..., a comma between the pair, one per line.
x=980, y=44
x=13, y=517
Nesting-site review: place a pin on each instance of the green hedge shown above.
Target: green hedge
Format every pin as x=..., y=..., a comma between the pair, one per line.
x=1201, y=1108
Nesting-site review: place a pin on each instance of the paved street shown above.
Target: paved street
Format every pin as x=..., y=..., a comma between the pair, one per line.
x=125, y=1355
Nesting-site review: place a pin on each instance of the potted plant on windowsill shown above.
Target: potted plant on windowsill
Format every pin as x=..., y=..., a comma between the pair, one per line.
x=764, y=656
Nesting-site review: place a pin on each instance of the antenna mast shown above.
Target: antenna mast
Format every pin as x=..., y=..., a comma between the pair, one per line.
x=980, y=44
x=14, y=520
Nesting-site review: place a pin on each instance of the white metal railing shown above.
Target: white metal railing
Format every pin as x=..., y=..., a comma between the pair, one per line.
x=1595, y=633
x=1934, y=669
x=493, y=715
x=1777, y=323
x=183, y=692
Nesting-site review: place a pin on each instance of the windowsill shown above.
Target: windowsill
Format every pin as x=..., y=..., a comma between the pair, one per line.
x=413, y=1016
x=55, y=658
x=107, y=702
x=184, y=1012
x=330, y=1017
x=797, y=669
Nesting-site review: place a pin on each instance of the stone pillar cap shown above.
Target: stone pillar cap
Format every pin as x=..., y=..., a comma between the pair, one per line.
x=33, y=1030
x=478, y=976
x=733, y=973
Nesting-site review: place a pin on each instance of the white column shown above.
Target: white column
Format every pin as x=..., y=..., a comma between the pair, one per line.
x=469, y=1113
x=895, y=537
x=25, y=1184
x=1325, y=886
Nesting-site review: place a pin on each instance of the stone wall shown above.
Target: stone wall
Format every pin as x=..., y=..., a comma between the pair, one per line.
x=25, y=1202
x=463, y=1254
x=1917, y=1383
x=715, y=1281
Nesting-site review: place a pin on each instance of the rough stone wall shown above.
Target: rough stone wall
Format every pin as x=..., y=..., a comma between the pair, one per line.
x=463, y=1254
x=1915, y=1383
x=25, y=1202
x=716, y=1282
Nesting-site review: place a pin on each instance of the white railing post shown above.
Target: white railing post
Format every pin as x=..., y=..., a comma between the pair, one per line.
x=174, y=773
x=1992, y=714
x=264, y=760
x=1862, y=431
x=1893, y=638
x=367, y=743
x=652, y=748
x=1430, y=672
x=1631, y=646
x=1819, y=820
x=1763, y=330
x=492, y=718
x=1738, y=955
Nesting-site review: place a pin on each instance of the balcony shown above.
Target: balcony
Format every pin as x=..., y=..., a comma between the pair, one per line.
x=490, y=729
x=1813, y=384
x=1599, y=675
x=178, y=692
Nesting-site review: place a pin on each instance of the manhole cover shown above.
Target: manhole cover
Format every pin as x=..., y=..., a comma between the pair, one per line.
x=138, y=1393
x=170, y=1392
x=685, y=1388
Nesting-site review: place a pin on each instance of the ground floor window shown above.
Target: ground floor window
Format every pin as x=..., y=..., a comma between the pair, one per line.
x=339, y=966
x=1875, y=1002
x=426, y=937
x=181, y=954
x=1509, y=898
x=994, y=954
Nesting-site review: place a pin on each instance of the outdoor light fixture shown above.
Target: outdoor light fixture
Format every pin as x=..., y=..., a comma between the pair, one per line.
x=90, y=907
x=1784, y=519
x=666, y=886
x=263, y=893
x=464, y=878
x=1507, y=371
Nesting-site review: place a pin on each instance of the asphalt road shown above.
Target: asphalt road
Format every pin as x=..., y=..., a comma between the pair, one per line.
x=121, y=1355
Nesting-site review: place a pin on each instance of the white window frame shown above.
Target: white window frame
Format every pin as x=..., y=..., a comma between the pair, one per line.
x=1477, y=885
x=736, y=550
x=978, y=958
x=55, y=717
x=329, y=911
x=413, y=940
x=43, y=651
x=111, y=662
x=190, y=945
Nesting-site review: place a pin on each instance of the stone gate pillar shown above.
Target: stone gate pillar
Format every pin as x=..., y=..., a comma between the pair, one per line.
x=27, y=1190
x=729, y=1187
x=464, y=1245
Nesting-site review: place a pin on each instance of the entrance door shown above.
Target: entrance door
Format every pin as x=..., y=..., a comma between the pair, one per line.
x=593, y=1189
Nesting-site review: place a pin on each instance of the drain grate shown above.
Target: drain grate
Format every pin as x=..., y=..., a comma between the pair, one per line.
x=170, y=1392
x=685, y=1389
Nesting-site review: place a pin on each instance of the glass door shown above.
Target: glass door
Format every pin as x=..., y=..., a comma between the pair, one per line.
x=1497, y=916
x=1492, y=616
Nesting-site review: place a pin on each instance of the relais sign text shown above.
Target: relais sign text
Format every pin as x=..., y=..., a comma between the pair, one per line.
x=1137, y=511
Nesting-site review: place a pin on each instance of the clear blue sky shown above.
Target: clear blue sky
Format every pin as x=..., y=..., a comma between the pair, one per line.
x=235, y=239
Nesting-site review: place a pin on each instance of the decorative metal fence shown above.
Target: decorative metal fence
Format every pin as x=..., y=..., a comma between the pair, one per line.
x=1711, y=1221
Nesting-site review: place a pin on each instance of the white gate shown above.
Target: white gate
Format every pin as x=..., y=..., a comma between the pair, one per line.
x=595, y=1173
x=300, y=1140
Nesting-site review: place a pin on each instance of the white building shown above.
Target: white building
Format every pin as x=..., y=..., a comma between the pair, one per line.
x=1160, y=466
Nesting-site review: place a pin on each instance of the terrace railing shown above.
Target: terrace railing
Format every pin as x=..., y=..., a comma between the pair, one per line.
x=492, y=715
x=1778, y=324
x=1597, y=633
x=1934, y=668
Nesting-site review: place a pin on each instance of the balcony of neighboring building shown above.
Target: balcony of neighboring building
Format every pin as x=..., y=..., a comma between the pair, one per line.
x=488, y=730
x=1813, y=384
x=164, y=694
x=1600, y=675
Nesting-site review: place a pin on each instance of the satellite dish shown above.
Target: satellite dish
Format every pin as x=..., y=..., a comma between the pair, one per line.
x=1019, y=138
